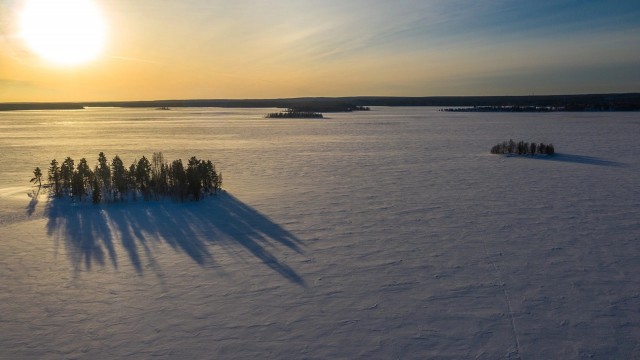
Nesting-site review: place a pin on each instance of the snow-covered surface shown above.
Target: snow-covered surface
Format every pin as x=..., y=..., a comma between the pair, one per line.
x=384, y=234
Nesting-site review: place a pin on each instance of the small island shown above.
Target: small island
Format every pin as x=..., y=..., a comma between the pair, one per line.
x=295, y=114
x=315, y=110
x=114, y=182
x=523, y=148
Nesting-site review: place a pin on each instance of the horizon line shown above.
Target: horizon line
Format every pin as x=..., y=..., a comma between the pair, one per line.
x=327, y=98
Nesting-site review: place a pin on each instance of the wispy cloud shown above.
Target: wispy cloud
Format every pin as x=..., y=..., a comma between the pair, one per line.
x=335, y=30
x=273, y=48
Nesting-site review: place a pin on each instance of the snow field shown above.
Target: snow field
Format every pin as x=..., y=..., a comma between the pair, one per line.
x=383, y=234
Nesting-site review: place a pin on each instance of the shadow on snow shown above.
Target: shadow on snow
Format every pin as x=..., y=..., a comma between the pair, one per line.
x=90, y=231
x=33, y=203
x=578, y=159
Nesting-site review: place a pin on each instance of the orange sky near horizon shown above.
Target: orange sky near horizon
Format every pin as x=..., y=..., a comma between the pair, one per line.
x=241, y=49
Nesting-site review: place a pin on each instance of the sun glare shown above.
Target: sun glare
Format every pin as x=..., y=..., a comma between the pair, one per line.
x=66, y=32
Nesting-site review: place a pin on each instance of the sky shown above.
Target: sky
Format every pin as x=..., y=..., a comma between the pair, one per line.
x=205, y=49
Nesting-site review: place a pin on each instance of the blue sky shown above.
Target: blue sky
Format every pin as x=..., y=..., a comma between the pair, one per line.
x=268, y=48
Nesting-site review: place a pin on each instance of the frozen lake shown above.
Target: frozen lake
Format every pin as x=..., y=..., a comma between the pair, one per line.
x=384, y=234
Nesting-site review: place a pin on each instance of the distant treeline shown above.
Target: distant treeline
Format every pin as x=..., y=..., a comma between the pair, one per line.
x=328, y=106
x=504, y=109
x=114, y=182
x=523, y=148
x=40, y=106
x=586, y=102
x=294, y=114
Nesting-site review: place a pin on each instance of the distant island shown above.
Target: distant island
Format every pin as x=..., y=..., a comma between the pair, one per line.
x=523, y=148
x=109, y=182
x=295, y=114
x=586, y=102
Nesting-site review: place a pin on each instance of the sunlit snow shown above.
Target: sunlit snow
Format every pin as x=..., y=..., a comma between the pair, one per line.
x=384, y=234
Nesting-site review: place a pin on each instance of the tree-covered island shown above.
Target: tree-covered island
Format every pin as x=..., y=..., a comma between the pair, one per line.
x=110, y=182
x=295, y=114
x=523, y=148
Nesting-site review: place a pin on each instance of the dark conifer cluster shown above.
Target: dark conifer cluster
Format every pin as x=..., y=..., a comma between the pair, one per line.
x=523, y=148
x=115, y=182
x=295, y=114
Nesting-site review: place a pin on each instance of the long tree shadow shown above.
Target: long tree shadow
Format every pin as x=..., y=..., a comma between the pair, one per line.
x=578, y=159
x=33, y=203
x=89, y=232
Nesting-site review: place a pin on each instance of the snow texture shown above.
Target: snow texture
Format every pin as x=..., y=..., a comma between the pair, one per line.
x=384, y=234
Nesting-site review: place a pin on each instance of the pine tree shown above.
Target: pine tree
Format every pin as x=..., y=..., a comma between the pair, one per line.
x=158, y=174
x=84, y=172
x=37, y=176
x=54, y=179
x=208, y=175
x=194, y=177
x=157, y=160
x=82, y=178
x=218, y=182
x=143, y=176
x=103, y=173
x=119, y=177
x=131, y=179
x=178, y=180
x=77, y=185
x=163, y=179
x=96, y=194
x=66, y=173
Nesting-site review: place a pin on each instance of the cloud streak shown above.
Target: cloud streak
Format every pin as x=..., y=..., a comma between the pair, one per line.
x=214, y=48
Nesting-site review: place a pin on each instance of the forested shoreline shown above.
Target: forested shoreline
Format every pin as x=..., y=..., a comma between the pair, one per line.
x=575, y=102
x=114, y=182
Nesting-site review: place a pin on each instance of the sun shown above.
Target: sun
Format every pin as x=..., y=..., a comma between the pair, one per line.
x=66, y=32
